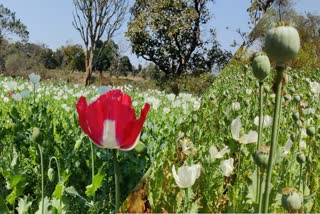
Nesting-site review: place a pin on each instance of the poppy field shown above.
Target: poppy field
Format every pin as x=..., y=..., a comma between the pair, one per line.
x=249, y=144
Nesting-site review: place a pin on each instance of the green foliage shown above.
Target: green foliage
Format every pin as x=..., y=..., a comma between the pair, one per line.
x=96, y=183
x=167, y=33
x=16, y=62
x=104, y=55
x=10, y=24
x=73, y=57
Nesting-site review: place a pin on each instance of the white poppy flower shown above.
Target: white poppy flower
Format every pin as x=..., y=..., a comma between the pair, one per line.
x=103, y=89
x=251, y=137
x=315, y=87
x=302, y=145
x=25, y=94
x=34, y=78
x=287, y=147
x=235, y=106
x=187, y=146
x=215, y=154
x=226, y=167
x=187, y=175
x=308, y=111
x=17, y=97
x=235, y=128
x=267, y=121
x=304, y=133
x=12, y=85
x=196, y=105
x=166, y=110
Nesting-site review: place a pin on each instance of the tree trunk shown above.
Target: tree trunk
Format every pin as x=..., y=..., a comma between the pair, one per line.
x=87, y=75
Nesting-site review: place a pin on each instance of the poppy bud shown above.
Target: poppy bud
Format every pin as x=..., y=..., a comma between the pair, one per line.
x=35, y=134
x=50, y=174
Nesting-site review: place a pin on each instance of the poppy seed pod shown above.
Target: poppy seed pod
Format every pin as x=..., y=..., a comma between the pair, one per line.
x=301, y=158
x=291, y=200
x=295, y=116
x=261, y=157
x=261, y=66
x=282, y=43
x=311, y=131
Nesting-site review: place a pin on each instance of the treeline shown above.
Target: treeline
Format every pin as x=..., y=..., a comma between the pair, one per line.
x=27, y=56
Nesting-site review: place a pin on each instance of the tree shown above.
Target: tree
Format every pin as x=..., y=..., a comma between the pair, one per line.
x=262, y=16
x=74, y=57
x=9, y=24
x=257, y=10
x=167, y=32
x=125, y=65
x=104, y=55
x=93, y=19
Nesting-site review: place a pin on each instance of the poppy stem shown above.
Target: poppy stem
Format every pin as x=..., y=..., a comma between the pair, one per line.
x=58, y=168
x=42, y=180
x=261, y=120
x=274, y=137
x=92, y=171
x=116, y=178
x=186, y=199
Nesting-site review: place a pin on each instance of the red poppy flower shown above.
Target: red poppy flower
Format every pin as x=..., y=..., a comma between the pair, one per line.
x=110, y=121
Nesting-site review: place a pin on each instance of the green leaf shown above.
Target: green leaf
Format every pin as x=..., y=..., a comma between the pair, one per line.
x=72, y=191
x=58, y=191
x=97, y=182
x=17, y=183
x=3, y=207
x=140, y=147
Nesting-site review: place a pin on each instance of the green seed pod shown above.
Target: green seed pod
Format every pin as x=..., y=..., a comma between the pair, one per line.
x=35, y=134
x=292, y=90
x=267, y=88
x=247, y=103
x=299, y=124
x=282, y=44
x=291, y=200
x=292, y=137
x=287, y=97
x=311, y=131
x=261, y=66
x=295, y=116
x=301, y=158
x=50, y=174
x=261, y=157
x=297, y=98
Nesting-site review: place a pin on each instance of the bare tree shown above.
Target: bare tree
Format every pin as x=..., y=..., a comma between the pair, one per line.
x=94, y=19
